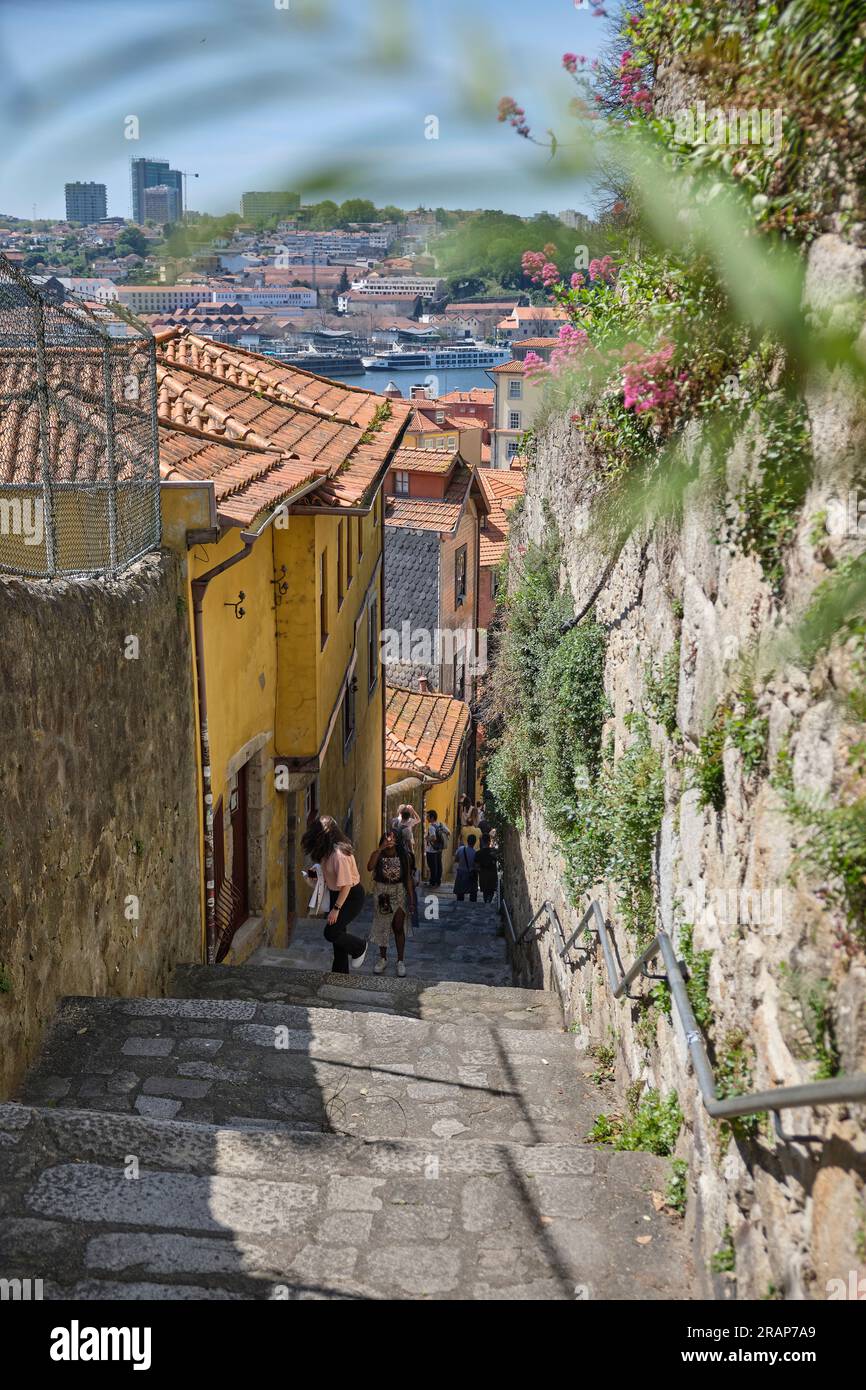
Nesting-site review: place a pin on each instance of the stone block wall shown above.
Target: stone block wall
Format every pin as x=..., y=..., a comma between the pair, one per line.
x=796, y=1212
x=99, y=847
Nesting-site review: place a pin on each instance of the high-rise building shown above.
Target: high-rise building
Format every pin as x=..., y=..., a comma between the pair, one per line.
x=153, y=173
x=258, y=207
x=85, y=202
x=162, y=203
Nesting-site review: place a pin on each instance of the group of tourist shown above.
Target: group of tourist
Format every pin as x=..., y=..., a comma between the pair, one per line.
x=395, y=877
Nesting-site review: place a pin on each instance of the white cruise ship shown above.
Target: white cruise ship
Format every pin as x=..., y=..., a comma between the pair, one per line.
x=452, y=356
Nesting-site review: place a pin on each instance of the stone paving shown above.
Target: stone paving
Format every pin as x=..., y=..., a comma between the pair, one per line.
x=274, y=1131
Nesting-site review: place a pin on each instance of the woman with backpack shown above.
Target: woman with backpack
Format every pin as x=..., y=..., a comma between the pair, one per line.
x=393, y=897
x=436, y=837
x=325, y=844
x=466, y=876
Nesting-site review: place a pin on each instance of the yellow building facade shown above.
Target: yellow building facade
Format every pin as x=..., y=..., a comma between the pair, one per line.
x=272, y=490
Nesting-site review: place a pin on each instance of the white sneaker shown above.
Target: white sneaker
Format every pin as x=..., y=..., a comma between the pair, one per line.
x=380, y=966
x=356, y=962
x=401, y=969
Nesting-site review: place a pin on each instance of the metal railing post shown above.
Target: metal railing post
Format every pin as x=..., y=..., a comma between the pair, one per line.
x=838, y=1090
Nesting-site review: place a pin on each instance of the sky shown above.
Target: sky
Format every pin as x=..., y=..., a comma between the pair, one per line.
x=329, y=97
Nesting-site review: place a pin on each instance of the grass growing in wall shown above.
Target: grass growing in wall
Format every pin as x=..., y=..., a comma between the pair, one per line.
x=814, y=1000
x=677, y=1192
x=834, y=846
x=649, y=1127
x=724, y=1260
x=662, y=688
x=767, y=507
x=734, y=1063
x=698, y=983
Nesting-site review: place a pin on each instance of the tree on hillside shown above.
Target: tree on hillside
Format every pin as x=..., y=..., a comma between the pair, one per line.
x=131, y=242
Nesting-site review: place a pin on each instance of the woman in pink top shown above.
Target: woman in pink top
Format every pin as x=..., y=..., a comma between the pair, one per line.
x=326, y=845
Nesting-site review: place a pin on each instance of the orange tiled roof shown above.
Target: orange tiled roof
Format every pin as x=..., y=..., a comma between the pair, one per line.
x=246, y=482
x=422, y=424
x=257, y=429
x=501, y=487
x=229, y=394
x=431, y=513
x=479, y=394
x=515, y=365
x=465, y=422
x=536, y=342
x=424, y=733
x=425, y=460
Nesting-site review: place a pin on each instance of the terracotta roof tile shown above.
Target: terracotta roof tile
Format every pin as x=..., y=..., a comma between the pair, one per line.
x=258, y=429
x=501, y=487
x=425, y=460
x=431, y=513
x=424, y=732
x=230, y=394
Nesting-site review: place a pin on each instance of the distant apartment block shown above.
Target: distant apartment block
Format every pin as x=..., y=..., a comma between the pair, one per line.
x=259, y=207
x=94, y=287
x=578, y=221
x=86, y=203
x=271, y=296
x=162, y=203
x=153, y=173
x=151, y=299
x=331, y=245
x=380, y=286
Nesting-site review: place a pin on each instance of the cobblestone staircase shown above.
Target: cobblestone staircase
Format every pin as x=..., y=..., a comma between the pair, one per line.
x=277, y=1131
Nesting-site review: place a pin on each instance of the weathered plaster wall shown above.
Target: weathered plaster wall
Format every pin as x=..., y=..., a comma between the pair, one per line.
x=796, y=1211
x=98, y=795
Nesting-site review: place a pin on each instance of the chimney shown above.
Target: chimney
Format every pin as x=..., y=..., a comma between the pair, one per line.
x=424, y=685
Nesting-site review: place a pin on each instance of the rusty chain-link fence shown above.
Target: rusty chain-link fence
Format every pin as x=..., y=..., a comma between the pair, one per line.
x=79, y=458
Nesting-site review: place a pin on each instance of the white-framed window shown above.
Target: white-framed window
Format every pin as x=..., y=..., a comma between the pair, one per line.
x=512, y=449
x=514, y=419
x=401, y=482
x=515, y=390
x=440, y=416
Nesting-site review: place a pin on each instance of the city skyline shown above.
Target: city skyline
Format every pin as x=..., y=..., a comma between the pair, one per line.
x=208, y=92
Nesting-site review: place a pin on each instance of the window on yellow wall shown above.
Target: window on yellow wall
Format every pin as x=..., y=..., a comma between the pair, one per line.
x=341, y=549
x=323, y=597
x=351, y=521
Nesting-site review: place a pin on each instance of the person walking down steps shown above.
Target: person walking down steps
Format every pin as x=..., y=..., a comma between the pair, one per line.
x=487, y=862
x=325, y=844
x=466, y=874
x=436, y=837
x=393, y=896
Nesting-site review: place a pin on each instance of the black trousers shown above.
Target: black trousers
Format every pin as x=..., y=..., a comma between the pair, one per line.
x=434, y=864
x=344, y=944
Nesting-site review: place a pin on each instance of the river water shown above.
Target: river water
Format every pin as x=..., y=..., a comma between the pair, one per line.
x=440, y=383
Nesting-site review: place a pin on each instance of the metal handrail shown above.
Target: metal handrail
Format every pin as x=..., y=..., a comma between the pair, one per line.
x=810, y=1093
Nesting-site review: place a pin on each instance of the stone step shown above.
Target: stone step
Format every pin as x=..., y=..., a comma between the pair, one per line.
x=463, y=944
x=123, y=1207
x=240, y=1062
x=411, y=997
